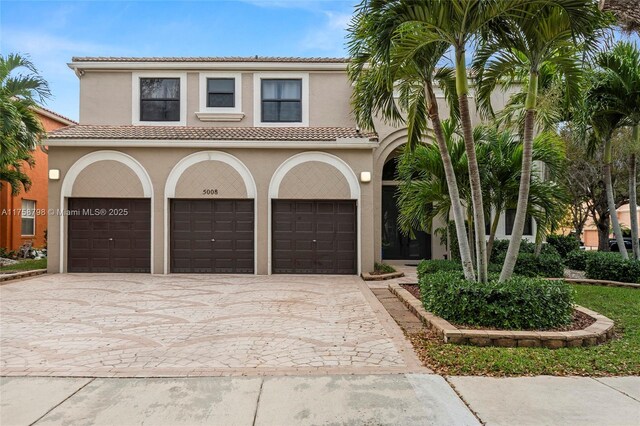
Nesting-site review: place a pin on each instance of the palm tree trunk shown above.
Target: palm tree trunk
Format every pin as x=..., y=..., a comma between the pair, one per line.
x=462, y=89
x=615, y=224
x=470, y=238
x=492, y=234
x=633, y=192
x=452, y=184
x=525, y=180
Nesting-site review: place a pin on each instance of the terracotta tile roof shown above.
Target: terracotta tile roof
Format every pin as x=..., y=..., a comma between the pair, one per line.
x=208, y=133
x=64, y=119
x=209, y=59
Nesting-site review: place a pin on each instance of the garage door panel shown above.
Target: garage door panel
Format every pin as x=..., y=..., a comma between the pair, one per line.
x=194, y=223
x=309, y=235
x=102, y=238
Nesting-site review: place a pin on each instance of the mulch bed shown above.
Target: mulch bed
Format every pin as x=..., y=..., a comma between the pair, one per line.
x=580, y=320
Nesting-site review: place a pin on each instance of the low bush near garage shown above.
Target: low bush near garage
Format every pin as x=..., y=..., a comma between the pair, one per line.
x=431, y=266
x=543, y=265
x=612, y=267
x=520, y=303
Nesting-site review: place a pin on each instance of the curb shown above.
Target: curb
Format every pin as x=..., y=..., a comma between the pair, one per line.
x=23, y=274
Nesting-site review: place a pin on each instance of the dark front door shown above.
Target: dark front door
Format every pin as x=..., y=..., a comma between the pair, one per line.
x=109, y=235
x=314, y=237
x=396, y=245
x=212, y=236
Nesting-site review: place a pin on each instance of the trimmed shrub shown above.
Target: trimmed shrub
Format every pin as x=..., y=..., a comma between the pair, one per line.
x=577, y=259
x=383, y=268
x=530, y=265
x=564, y=244
x=500, y=247
x=612, y=267
x=520, y=303
x=431, y=266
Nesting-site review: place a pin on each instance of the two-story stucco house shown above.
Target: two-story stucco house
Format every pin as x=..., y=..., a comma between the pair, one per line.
x=223, y=165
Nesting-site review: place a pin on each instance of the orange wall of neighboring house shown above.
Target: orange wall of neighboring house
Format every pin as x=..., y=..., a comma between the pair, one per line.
x=11, y=236
x=590, y=234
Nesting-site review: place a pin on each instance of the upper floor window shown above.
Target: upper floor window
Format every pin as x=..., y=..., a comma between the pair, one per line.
x=220, y=96
x=28, y=217
x=221, y=93
x=281, y=101
x=159, y=99
x=510, y=218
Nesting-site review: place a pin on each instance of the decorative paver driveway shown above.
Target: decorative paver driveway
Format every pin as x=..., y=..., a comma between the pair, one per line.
x=144, y=325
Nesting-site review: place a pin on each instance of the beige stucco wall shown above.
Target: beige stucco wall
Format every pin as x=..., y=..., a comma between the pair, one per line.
x=211, y=175
x=106, y=179
x=314, y=180
x=158, y=163
x=106, y=98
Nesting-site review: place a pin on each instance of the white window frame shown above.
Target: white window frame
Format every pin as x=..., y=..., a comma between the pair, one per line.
x=257, y=99
x=31, y=216
x=135, y=97
x=237, y=109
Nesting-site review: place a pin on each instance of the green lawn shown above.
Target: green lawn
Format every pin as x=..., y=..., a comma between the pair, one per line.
x=621, y=356
x=26, y=265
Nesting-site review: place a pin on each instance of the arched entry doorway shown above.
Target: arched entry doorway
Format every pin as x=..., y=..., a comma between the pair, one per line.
x=396, y=245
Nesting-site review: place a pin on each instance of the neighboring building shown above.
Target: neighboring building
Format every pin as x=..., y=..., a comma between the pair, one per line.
x=224, y=165
x=17, y=229
x=590, y=232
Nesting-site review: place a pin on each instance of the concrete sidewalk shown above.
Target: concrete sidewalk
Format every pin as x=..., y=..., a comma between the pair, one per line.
x=407, y=399
x=392, y=399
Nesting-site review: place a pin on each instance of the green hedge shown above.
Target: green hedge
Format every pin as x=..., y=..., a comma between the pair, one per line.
x=577, y=259
x=564, y=244
x=612, y=267
x=500, y=247
x=530, y=265
x=520, y=303
x=431, y=266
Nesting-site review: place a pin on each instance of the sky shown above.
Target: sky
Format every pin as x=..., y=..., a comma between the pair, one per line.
x=51, y=32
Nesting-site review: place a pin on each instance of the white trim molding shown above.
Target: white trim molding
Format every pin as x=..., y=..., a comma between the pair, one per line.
x=198, y=157
x=66, y=190
x=206, y=113
x=135, y=97
x=323, y=157
x=257, y=97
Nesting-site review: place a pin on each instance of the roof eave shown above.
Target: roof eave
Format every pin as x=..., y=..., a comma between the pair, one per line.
x=79, y=67
x=339, y=143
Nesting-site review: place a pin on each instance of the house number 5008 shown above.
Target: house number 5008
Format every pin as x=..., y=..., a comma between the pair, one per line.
x=209, y=192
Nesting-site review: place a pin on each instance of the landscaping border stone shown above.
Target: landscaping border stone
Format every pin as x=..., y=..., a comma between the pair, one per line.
x=597, y=333
x=21, y=274
x=597, y=282
x=379, y=277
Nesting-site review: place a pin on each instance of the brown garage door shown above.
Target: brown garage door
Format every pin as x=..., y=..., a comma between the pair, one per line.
x=109, y=235
x=212, y=236
x=314, y=237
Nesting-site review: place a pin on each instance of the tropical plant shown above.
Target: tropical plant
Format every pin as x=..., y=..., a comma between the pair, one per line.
x=21, y=129
x=615, y=102
x=378, y=69
x=422, y=194
x=517, y=49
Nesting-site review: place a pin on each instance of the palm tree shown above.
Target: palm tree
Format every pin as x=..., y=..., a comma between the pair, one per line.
x=422, y=195
x=540, y=34
x=614, y=99
x=20, y=127
x=500, y=154
x=378, y=71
